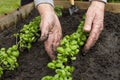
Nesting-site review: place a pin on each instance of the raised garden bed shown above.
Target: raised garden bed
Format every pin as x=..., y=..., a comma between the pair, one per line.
x=101, y=63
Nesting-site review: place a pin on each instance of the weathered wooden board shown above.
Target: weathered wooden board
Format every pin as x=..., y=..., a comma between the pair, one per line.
x=112, y=7
x=15, y=16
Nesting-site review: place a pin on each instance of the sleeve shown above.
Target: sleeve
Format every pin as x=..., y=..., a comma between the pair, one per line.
x=37, y=2
x=105, y=1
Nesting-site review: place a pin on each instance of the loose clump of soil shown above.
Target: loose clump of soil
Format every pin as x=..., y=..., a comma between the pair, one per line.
x=101, y=63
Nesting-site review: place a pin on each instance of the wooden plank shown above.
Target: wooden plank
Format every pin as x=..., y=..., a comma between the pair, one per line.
x=15, y=16
x=112, y=7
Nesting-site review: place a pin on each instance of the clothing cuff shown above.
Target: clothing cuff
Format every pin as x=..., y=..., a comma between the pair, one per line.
x=37, y=2
x=105, y=1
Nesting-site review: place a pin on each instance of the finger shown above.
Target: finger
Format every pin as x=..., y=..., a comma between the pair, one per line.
x=97, y=28
x=88, y=21
x=56, y=41
x=44, y=30
x=43, y=37
x=57, y=37
x=48, y=46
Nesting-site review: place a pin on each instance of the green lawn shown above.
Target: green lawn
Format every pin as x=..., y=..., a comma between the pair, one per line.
x=8, y=6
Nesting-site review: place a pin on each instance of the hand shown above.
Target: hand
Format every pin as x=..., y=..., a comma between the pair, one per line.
x=93, y=23
x=50, y=27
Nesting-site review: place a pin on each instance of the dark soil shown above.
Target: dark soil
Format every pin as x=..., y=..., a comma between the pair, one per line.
x=101, y=63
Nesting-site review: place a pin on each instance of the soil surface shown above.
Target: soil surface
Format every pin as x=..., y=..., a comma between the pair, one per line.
x=101, y=63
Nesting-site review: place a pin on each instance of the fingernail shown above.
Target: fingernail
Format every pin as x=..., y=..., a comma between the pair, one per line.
x=43, y=38
x=55, y=52
x=87, y=28
x=84, y=52
x=53, y=58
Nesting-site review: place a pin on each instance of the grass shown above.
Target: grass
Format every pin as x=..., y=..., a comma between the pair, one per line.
x=114, y=1
x=8, y=6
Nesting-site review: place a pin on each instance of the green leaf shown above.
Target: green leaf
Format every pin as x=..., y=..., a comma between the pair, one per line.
x=60, y=50
x=15, y=53
x=47, y=78
x=51, y=65
x=81, y=43
x=60, y=72
x=14, y=47
x=73, y=58
x=1, y=71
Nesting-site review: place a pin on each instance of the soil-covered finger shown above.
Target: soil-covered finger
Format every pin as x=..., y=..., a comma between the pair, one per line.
x=93, y=37
x=56, y=41
x=43, y=38
x=49, y=46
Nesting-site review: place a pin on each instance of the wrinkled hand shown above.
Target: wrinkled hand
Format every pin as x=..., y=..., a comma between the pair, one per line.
x=93, y=23
x=50, y=29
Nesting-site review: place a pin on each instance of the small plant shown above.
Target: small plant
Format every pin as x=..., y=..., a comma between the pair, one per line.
x=1, y=71
x=8, y=58
x=67, y=51
x=29, y=33
x=58, y=10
